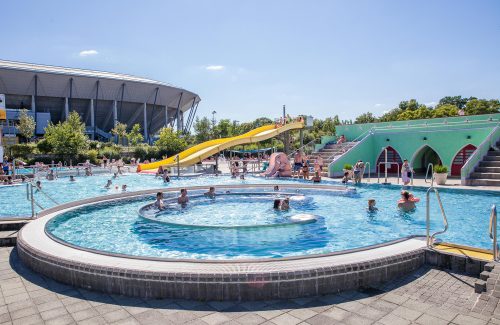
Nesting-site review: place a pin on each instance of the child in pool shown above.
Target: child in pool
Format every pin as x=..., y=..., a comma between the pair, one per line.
x=210, y=193
x=159, y=201
x=371, y=205
x=183, y=198
x=345, y=179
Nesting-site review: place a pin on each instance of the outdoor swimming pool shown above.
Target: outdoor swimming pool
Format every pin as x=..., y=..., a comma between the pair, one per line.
x=342, y=221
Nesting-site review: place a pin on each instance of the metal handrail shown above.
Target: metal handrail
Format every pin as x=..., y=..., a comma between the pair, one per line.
x=430, y=239
x=390, y=163
x=493, y=231
x=301, y=148
x=431, y=167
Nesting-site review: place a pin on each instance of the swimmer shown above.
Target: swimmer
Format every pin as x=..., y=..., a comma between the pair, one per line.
x=108, y=184
x=276, y=188
x=72, y=178
x=371, y=205
x=406, y=204
x=115, y=175
x=88, y=172
x=50, y=176
x=242, y=176
x=345, y=179
x=316, y=178
x=282, y=205
x=38, y=186
x=166, y=178
x=210, y=193
x=159, y=201
x=183, y=198
x=124, y=188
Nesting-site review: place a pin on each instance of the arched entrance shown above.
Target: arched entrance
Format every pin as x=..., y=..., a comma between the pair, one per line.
x=461, y=158
x=423, y=157
x=392, y=156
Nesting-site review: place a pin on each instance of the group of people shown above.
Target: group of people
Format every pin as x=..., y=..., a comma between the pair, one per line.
x=161, y=172
x=182, y=199
x=407, y=203
x=235, y=169
x=302, y=164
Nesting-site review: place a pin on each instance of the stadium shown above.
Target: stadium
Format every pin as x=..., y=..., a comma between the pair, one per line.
x=102, y=99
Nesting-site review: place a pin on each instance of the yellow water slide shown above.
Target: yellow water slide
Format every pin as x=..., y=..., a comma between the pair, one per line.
x=206, y=149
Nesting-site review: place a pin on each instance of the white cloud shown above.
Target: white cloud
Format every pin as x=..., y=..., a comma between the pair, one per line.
x=378, y=105
x=85, y=53
x=215, y=67
x=430, y=104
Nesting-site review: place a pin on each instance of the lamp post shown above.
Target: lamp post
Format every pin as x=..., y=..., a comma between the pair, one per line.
x=213, y=122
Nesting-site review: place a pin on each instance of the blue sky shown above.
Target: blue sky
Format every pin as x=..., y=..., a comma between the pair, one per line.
x=248, y=58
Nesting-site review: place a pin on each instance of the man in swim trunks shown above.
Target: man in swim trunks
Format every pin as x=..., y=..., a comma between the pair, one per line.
x=183, y=198
x=297, y=163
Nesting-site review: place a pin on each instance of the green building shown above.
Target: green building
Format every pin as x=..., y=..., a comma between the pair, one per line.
x=460, y=143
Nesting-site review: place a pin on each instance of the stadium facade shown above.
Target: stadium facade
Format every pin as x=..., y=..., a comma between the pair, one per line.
x=102, y=99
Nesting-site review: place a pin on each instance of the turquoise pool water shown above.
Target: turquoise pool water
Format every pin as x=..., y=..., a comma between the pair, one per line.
x=342, y=222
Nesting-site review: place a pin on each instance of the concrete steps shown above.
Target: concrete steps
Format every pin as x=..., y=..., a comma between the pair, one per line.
x=485, y=163
x=485, y=182
x=9, y=230
x=477, y=175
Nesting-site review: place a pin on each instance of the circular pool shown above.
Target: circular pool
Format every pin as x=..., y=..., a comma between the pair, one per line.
x=233, y=246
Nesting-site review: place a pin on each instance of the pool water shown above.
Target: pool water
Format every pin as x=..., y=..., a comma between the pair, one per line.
x=342, y=222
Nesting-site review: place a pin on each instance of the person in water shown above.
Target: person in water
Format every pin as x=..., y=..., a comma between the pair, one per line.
x=38, y=186
x=210, y=193
x=407, y=202
x=115, y=175
x=371, y=205
x=316, y=178
x=72, y=178
x=276, y=188
x=166, y=178
x=345, y=179
x=282, y=204
x=50, y=176
x=183, y=198
x=242, y=176
x=124, y=188
x=108, y=184
x=159, y=201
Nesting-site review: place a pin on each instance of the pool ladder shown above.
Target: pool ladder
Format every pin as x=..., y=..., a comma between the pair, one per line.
x=493, y=231
x=431, y=238
x=31, y=197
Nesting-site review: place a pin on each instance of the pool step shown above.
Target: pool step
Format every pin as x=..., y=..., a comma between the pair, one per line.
x=488, y=169
x=9, y=230
x=8, y=238
x=492, y=158
x=485, y=182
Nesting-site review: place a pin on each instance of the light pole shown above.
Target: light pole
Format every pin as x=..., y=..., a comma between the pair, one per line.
x=213, y=122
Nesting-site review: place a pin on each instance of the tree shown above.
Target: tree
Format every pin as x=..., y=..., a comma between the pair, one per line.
x=170, y=142
x=26, y=125
x=422, y=112
x=135, y=136
x=223, y=129
x=411, y=105
x=120, y=131
x=445, y=110
x=68, y=137
x=365, y=118
x=392, y=115
x=202, y=129
x=482, y=106
x=457, y=101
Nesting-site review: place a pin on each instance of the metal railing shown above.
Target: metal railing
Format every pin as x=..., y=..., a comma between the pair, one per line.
x=479, y=153
x=430, y=238
x=493, y=231
x=31, y=197
x=306, y=149
x=385, y=164
x=367, y=165
x=430, y=167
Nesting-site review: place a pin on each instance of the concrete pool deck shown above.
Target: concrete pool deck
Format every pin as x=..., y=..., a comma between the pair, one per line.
x=425, y=296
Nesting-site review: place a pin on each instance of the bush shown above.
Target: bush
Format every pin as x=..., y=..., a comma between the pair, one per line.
x=91, y=155
x=22, y=150
x=348, y=167
x=141, y=152
x=111, y=152
x=439, y=169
